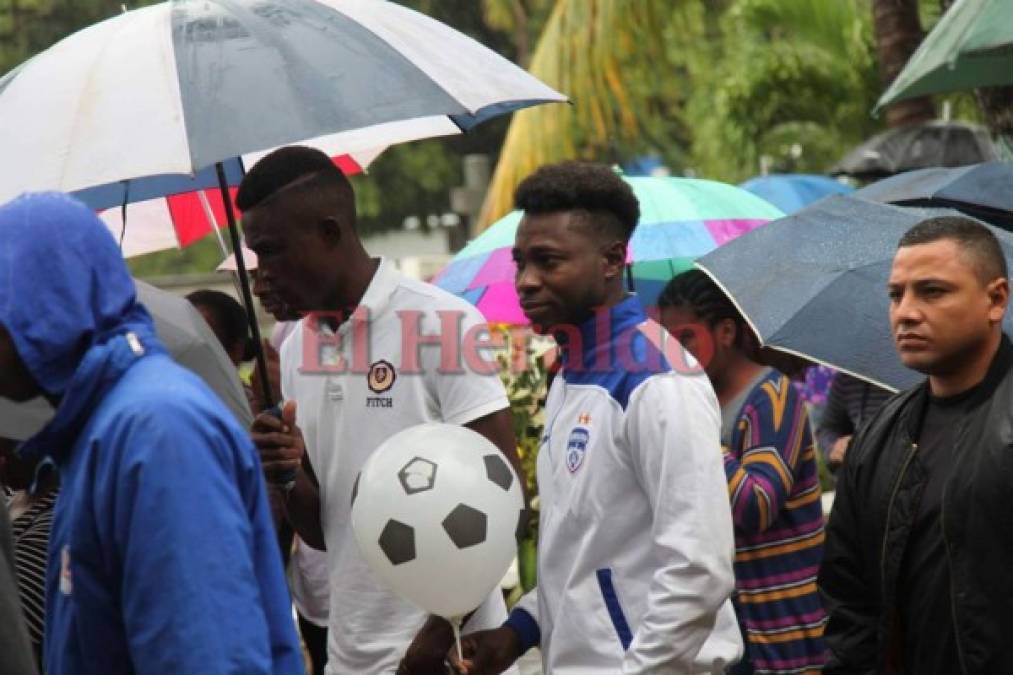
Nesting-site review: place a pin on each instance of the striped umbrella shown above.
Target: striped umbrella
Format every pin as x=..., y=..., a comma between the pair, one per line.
x=141, y=105
x=179, y=220
x=177, y=87
x=680, y=220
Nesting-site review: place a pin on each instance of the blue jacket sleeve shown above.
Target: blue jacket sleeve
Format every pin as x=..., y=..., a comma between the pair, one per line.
x=190, y=596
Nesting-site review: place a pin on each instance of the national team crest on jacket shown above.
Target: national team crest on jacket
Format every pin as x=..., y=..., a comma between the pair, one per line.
x=576, y=448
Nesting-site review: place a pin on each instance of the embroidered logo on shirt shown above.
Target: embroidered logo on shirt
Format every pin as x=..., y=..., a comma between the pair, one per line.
x=65, y=581
x=576, y=448
x=380, y=379
x=381, y=376
x=584, y=418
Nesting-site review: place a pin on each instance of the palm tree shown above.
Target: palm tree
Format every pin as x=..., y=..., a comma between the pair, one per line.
x=712, y=85
x=520, y=18
x=794, y=87
x=898, y=30
x=609, y=57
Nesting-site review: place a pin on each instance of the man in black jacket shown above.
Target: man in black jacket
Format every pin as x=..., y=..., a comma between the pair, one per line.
x=916, y=569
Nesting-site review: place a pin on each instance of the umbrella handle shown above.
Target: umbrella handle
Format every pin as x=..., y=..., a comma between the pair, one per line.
x=244, y=285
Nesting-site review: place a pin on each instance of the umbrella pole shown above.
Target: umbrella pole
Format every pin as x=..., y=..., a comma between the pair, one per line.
x=244, y=285
x=210, y=215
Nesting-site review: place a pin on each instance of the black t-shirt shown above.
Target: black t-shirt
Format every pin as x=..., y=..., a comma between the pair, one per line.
x=923, y=598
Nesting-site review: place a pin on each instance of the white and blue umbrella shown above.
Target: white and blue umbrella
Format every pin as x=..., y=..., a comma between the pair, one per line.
x=177, y=87
x=166, y=98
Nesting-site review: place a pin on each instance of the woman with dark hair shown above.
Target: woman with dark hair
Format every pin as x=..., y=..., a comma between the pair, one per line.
x=770, y=465
x=227, y=319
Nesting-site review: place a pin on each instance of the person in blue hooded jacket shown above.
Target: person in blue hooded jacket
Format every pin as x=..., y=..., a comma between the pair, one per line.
x=162, y=557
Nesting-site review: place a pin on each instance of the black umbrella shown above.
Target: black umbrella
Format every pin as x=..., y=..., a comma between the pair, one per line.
x=813, y=284
x=918, y=146
x=984, y=191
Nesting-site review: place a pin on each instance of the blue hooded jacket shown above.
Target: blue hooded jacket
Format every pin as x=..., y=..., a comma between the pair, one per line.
x=162, y=557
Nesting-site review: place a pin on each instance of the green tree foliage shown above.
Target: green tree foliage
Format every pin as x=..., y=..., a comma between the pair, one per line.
x=717, y=88
x=414, y=179
x=608, y=56
x=795, y=84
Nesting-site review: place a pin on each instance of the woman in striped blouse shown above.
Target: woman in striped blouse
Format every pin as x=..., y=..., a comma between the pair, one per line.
x=773, y=482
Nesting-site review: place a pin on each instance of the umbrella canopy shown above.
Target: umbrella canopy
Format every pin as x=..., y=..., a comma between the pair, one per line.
x=137, y=106
x=917, y=146
x=189, y=339
x=984, y=191
x=176, y=221
x=814, y=284
x=971, y=46
x=680, y=220
x=792, y=192
x=177, y=87
x=180, y=220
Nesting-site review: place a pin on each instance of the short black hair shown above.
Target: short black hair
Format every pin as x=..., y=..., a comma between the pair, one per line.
x=973, y=237
x=230, y=318
x=295, y=167
x=696, y=291
x=611, y=207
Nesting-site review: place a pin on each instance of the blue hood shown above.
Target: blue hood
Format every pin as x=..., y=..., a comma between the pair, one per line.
x=67, y=299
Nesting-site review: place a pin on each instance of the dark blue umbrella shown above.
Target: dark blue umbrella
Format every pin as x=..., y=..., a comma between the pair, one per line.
x=814, y=284
x=792, y=192
x=984, y=191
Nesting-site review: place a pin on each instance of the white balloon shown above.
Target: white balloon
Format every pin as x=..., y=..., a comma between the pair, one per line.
x=435, y=510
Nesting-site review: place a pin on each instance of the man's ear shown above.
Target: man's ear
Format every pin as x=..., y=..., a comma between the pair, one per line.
x=998, y=298
x=330, y=229
x=614, y=257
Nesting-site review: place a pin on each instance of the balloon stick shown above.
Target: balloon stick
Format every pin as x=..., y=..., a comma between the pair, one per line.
x=455, y=623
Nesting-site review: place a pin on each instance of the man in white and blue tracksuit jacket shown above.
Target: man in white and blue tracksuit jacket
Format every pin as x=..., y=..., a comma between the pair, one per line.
x=635, y=549
x=162, y=556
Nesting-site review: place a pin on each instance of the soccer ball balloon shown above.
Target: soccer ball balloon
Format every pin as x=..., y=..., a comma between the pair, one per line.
x=436, y=510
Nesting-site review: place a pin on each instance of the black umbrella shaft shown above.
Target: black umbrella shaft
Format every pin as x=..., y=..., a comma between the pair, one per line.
x=244, y=285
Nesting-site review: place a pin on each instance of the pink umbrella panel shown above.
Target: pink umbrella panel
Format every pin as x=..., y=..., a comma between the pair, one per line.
x=681, y=220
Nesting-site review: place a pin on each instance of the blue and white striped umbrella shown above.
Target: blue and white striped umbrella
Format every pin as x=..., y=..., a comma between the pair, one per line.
x=176, y=87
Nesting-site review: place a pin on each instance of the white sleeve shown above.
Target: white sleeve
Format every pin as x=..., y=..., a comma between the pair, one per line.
x=673, y=427
x=468, y=391
x=287, y=363
x=529, y=603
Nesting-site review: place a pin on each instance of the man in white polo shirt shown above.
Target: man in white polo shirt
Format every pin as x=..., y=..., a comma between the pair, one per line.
x=376, y=353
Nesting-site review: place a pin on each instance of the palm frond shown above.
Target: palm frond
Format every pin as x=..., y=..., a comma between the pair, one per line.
x=587, y=50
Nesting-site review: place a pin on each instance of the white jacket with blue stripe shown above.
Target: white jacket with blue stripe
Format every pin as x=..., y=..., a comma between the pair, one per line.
x=636, y=540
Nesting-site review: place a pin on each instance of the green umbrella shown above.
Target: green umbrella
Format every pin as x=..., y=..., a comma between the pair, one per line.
x=970, y=47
